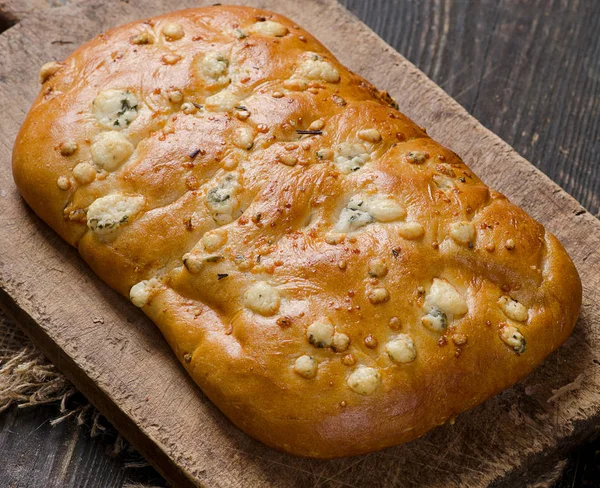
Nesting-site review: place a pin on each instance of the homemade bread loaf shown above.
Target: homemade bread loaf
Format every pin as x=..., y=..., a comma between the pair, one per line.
x=333, y=279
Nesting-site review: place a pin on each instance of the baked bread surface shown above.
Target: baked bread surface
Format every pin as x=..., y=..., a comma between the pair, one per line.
x=332, y=278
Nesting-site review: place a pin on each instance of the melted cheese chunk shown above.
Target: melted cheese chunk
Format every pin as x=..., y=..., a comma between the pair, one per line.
x=315, y=68
x=443, y=182
x=141, y=293
x=350, y=157
x=369, y=135
x=513, y=309
x=224, y=101
x=214, y=240
x=364, y=380
x=63, y=183
x=193, y=262
x=378, y=295
x=385, y=209
x=362, y=211
x=243, y=137
x=435, y=320
x=352, y=219
x=239, y=33
x=410, y=230
x=68, y=148
x=172, y=31
x=446, y=298
x=214, y=67
x=340, y=342
x=222, y=201
x=320, y=334
x=108, y=213
x=262, y=298
x=84, y=173
x=115, y=109
x=377, y=268
x=462, y=232
x=270, y=28
x=513, y=338
x=401, y=349
x=306, y=366
x=111, y=150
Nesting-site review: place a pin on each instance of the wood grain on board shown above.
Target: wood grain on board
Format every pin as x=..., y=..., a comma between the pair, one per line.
x=118, y=359
x=11, y=11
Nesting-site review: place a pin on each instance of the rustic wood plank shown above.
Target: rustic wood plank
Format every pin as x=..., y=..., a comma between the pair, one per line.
x=414, y=113
x=12, y=11
x=527, y=70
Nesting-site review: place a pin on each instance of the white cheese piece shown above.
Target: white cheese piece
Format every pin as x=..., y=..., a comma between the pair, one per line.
x=385, y=209
x=239, y=33
x=243, y=137
x=63, y=183
x=352, y=219
x=377, y=268
x=317, y=124
x=378, y=295
x=214, y=240
x=364, y=380
x=111, y=150
x=262, y=298
x=222, y=201
x=287, y=159
x=513, y=338
x=362, y=211
x=214, y=67
x=445, y=297
x=143, y=38
x=270, y=28
x=175, y=96
x=315, y=68
x=193, y=262
x=401, y=349
x=350, y=157
x=410, y=230
x=68, y=148
x=172, y=31
x=84, y=173
x=320, y=333
x=340, y=342
x=188, y=108
x=224, y=101
x=306, y=366
x=444, y=183
x=462, y=232
x=513, y=309
x=435, y=320
x=296, y=84
x=115, y=109
x=416, y=157
x=369, y=135
x=141, y=293
x=108, y=213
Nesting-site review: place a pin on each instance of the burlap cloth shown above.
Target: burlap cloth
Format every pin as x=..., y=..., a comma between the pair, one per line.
x=28, y=379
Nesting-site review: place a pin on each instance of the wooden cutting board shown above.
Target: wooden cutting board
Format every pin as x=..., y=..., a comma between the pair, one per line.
x=118, y=359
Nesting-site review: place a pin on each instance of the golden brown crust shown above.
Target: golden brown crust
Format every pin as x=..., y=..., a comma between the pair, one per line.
x=250, y=244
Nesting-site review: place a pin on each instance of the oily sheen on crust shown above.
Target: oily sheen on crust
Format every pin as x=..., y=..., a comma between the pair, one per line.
x=333, y=279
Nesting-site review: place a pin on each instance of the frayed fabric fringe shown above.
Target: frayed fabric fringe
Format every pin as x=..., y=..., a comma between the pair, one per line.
x=28, y=379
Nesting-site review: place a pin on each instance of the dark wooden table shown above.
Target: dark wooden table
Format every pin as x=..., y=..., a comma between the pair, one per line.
x=527, y=69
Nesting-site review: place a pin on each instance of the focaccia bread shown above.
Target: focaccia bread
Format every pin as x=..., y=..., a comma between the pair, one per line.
x=333, y=279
